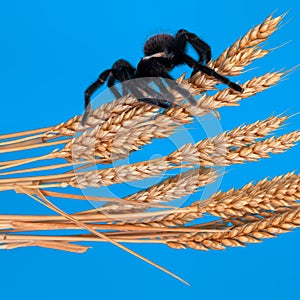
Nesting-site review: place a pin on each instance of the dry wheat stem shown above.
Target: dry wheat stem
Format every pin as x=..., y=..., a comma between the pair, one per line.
x=123, y=201
x=9, y=245
x=23, y=238
x=19, y=226
x=73, y=125
x=250, y=232
x=24, y=133
x=92, y=217
x=43, y=200
x=15, y=163
x=277, y=229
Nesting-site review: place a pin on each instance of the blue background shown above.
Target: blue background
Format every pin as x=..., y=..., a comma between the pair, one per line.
x=50, y=51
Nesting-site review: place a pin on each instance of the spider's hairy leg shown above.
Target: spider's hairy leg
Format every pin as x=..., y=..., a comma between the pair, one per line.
x=148, y=70
x=163, y=89
x=218, y=76
x=141, y=90
x=124, y=69
x=181, y=90
x=203, y=49
x=110, y=84
x=198, y=67
x=157, y=102
x=90, y=90
x=121, y=70
x=139, y=87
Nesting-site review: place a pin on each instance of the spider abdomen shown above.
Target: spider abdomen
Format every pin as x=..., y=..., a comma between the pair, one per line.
x=159, y=43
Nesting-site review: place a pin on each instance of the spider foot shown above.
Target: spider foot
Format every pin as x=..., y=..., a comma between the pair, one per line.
x=206, y=70
x=236, y=87
x=157, y=102
x=86, y=115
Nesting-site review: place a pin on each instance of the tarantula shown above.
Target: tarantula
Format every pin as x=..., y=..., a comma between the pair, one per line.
x=162, y=52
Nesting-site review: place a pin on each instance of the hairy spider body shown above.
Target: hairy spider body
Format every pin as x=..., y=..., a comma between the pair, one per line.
x=163, y=52
x=159, y=43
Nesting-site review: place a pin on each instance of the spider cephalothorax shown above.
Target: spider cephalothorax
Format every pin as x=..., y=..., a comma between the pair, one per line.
x=162, y=52
x=159, y=43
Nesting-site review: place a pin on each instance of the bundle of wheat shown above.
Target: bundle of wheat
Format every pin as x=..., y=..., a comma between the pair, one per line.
x=125, y=125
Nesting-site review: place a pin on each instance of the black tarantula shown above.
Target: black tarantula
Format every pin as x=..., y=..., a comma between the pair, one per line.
x=162, y=52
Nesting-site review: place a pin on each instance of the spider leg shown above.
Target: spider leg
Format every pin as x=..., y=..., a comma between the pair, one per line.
x=143, y=84
x=203, y=49
x=146, y=69
x=90, y=90
x=124, y=78
x=122, y=71
x=216, y=75
x=110, y=84
x=157, y=102
x=138, y=89
x=163, y=98
x=198, y=67
x=177, y=87
x=163, y=89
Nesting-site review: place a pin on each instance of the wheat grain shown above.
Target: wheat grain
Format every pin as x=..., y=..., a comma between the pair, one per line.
x=172, y=188
x=276, y=194
x=251, y=232
x=281, y=191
